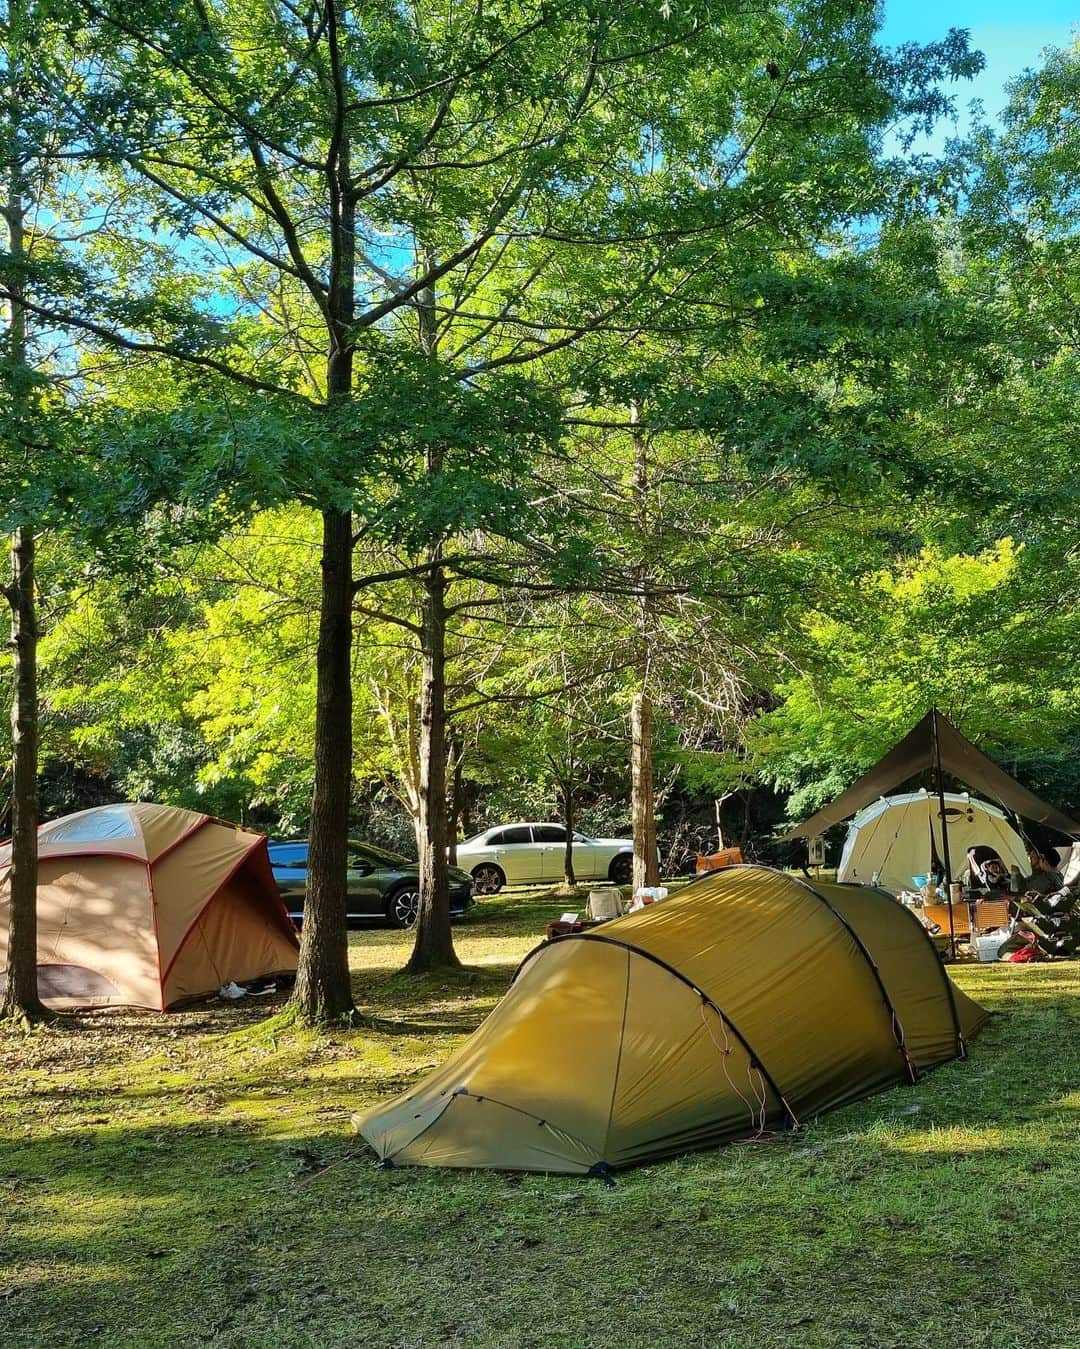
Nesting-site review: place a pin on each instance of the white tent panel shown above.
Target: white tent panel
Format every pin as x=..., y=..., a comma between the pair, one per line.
x=891, y=838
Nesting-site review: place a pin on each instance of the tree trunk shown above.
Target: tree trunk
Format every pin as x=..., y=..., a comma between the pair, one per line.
x=646, y=867
x=434, y=945
x=745, y=838
x=642, y=791
x=20, y=994
x=567, y=794
x=323, y=988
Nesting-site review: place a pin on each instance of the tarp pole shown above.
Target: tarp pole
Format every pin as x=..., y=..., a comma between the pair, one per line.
x=944, y=832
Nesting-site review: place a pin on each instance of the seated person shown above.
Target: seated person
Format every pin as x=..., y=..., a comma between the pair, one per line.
x=1045, y=879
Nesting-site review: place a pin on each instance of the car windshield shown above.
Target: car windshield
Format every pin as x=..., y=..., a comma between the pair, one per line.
x=380, y=857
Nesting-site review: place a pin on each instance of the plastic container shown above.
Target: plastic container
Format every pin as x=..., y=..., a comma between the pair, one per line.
x=647, y=894
x=989, y=946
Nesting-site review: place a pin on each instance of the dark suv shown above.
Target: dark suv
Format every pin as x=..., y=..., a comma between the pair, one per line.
x=381, y=884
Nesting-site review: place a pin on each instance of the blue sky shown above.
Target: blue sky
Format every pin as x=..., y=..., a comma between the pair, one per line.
x=1011, y=34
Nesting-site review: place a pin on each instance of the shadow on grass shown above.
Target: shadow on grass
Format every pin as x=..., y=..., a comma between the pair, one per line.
x=153, y=1234
x=424, y=998
x=174, y=1235
x=914, y=1218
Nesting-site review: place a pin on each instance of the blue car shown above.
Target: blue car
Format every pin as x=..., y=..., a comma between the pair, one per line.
x=381, y=884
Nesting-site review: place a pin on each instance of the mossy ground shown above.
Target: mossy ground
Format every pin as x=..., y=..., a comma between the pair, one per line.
x=162, y=1184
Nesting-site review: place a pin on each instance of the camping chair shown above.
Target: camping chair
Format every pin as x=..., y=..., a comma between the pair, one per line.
x=991, y=914
x=978, y=858
x=988, y=914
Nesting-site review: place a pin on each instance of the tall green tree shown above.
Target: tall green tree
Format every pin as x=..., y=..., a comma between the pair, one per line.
x=32, y=441
x=502, y=189
x=965, y=632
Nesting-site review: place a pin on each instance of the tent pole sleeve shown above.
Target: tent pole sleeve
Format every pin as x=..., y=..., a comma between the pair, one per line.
x=961, y=1043
x=944, y=833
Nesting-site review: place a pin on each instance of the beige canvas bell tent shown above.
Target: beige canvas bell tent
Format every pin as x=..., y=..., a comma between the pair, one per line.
x=147, y=906
x=896, y=838
x=747, y=1002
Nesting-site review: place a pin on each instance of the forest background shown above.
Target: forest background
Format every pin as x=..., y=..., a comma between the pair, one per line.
x=467, y=409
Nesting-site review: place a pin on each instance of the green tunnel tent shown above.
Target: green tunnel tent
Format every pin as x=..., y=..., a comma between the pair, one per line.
x=747, y=1002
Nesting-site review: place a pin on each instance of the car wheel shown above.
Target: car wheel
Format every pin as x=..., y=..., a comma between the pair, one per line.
x=403, y=906
x=621, y=871
x=488, y=878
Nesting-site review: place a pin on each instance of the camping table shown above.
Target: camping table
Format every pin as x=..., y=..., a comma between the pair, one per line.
x=989, y=913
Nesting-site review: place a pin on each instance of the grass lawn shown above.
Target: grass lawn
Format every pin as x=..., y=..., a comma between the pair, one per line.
x=161, y=1184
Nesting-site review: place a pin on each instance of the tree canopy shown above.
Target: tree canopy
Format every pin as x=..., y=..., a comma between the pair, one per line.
x=531, y=408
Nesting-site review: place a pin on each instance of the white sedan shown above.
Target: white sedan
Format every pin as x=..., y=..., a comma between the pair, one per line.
x=520, y=854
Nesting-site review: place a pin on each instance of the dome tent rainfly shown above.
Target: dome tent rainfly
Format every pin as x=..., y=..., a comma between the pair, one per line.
x=749, y=1001
x=144, y=905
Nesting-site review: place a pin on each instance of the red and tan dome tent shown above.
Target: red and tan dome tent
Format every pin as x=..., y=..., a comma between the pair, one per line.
x=142, y=905
x=749, y=1001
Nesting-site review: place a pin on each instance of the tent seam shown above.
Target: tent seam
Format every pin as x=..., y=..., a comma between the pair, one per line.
x=177, y=842
x=755, y=1059
x=618, y=1061
x=194, y=922
x=961, y=1043
x=157, y=933
x=896, y=1026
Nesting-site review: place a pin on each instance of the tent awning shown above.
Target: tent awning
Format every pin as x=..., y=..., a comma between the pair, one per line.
x=959, y=757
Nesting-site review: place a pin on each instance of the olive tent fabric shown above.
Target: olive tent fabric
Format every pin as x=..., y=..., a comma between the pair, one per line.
x=148, y=906
x=747, y=1002
x=916, y=753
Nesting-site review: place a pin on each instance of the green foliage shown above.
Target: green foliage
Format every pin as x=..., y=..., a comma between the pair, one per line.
x=968, y=633
x=854, y=376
